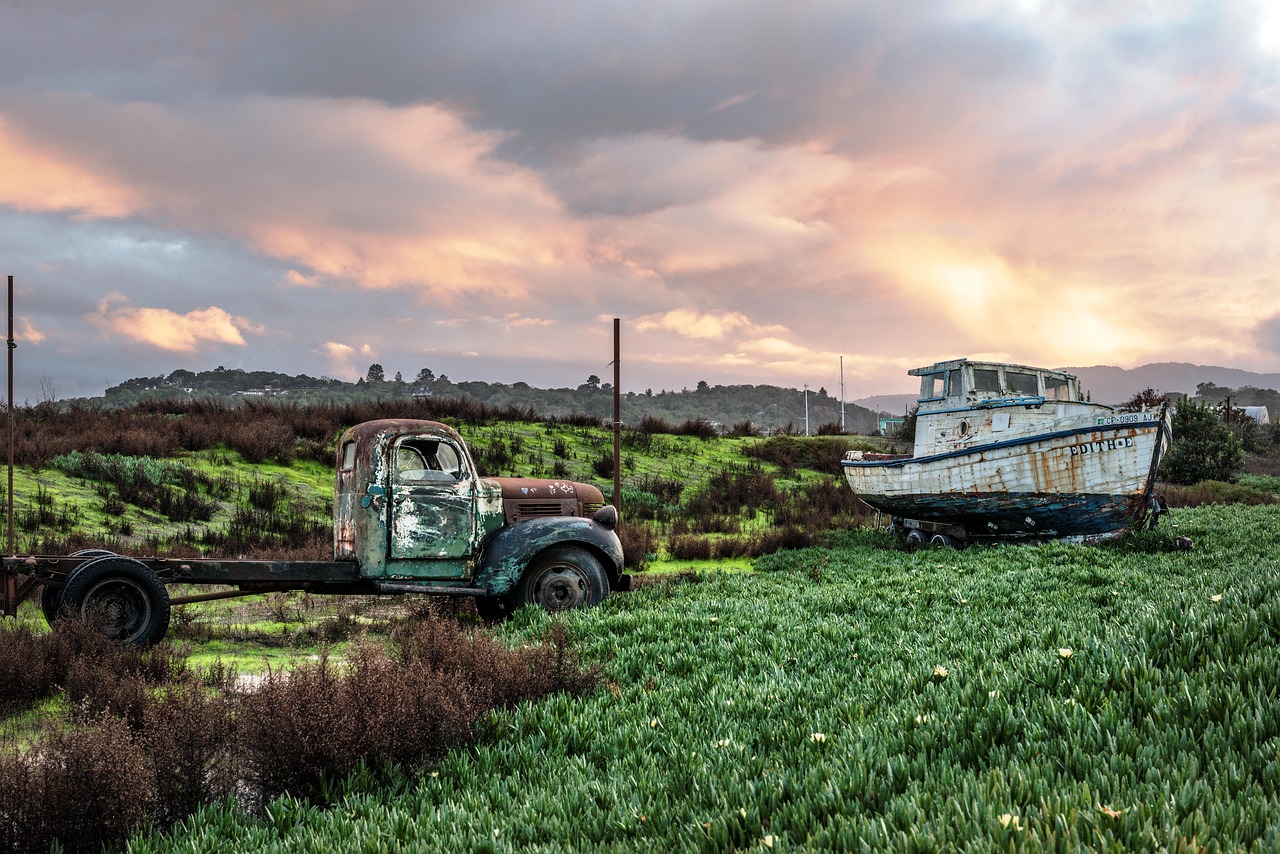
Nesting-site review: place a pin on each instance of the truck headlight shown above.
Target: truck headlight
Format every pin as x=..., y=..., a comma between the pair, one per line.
x=606, y=517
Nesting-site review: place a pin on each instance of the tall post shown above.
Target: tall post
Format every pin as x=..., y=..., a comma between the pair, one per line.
x=842, y=394
x=9, y=591
x=11, y=345
x=806, y=409
x=617, y=416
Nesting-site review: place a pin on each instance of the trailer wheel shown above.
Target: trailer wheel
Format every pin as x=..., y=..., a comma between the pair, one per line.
x=51, y=594
x=914, y=540
x=120, y=597
x=561, y=578
x=50, y=602
x=940, y=541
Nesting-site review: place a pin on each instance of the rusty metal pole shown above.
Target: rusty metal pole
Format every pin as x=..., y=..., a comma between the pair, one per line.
x=10, y=604
x=617, y=417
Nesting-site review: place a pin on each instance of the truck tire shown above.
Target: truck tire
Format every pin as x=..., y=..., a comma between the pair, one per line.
x=120, y=597
x=561, y=578
x=50, y=602
x=51, y=594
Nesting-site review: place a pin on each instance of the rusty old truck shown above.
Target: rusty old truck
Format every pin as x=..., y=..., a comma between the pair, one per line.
x=411, y=515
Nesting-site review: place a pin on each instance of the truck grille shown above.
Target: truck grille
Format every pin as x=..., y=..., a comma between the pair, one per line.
x=517, y=510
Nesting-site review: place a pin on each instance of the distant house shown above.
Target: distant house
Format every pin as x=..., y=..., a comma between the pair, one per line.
x=261, y=392
x=889, y=426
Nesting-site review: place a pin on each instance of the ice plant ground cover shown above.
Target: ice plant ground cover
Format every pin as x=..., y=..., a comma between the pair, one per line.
x=1125, y=696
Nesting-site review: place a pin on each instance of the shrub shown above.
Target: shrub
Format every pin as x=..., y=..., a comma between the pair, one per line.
x=1215, y=492
x=86, y=787
x=731, y=490
x=603, y=466
x=651, y=424
x=1203, y=448
x=689, y=547
x=698, y=427
x=639, y=544
x=128, y=756
x=820, y=453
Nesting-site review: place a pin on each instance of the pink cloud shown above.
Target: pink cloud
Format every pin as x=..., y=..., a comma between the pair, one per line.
x=168, y=330
x=34, y=178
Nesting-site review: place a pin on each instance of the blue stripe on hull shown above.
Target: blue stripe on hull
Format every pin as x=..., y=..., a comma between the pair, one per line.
x=1061, y=515
x=977, y=450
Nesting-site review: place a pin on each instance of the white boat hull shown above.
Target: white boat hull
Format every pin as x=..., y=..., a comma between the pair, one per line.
x=1081, y=476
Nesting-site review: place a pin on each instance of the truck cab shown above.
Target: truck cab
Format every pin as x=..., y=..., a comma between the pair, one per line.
x=411, y=507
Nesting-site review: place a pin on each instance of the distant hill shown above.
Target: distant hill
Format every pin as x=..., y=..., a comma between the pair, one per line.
x=1113, y=385
x=768, y=408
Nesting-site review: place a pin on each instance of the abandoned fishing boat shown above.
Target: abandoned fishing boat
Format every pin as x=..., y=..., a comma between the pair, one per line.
x=1010, y=452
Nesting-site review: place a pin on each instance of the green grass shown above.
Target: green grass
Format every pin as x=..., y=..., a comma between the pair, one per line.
x=1048, y=697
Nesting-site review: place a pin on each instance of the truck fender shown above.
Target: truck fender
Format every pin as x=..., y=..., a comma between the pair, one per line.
x=510, y=550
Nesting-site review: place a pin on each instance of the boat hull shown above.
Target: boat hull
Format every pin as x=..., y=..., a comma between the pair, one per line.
x=1080, y=477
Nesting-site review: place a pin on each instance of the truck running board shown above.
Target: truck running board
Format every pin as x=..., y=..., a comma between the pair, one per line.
x=445, y=590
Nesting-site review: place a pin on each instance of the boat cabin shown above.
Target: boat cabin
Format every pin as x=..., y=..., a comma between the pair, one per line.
x=963, y=403
x=961, y=382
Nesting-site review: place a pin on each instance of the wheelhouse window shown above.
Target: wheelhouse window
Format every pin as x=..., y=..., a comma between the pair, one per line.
x=955, y=382
x=1057, y=388
x=986, y=379
x=931, y=386
x=1022, y=383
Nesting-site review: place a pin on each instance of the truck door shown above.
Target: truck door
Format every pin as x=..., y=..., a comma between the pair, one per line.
x=432, y=522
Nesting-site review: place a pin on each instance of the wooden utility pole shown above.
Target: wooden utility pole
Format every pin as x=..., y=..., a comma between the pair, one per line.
x=9, y=594
x=9, y=495
x=617, y=417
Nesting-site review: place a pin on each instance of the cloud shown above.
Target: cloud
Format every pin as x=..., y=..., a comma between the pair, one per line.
x=692, y=324
x=35, y=180
x=28, y=332
x=341, y=358
x=347, y=190
x=168, y=330
x=530, y=322
x=1267, y=334
x=301, y=280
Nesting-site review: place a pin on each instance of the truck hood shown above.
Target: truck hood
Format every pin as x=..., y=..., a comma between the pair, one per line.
x=543, y=489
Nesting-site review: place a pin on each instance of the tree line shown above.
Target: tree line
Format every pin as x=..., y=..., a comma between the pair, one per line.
x=767, y=407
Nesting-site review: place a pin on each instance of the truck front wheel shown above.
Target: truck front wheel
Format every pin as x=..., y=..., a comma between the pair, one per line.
x=119, y=597
x=561, y=578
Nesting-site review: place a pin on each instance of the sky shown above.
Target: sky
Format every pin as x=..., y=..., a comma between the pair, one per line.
x=763, y=192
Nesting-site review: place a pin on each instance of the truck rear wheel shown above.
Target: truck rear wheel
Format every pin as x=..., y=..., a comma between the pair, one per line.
x=561, y=578
x=121, y=598
x=51, y=594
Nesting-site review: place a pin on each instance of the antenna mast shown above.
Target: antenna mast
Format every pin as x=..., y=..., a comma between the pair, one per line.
x=842, y=394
